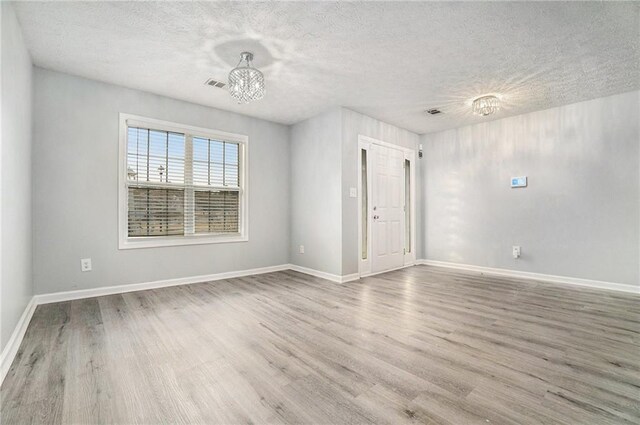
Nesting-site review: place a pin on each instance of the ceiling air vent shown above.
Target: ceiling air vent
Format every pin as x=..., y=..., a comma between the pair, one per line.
x=214, y=83
x=434, y=111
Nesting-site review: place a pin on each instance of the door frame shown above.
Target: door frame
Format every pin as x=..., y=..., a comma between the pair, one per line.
x=364, y=143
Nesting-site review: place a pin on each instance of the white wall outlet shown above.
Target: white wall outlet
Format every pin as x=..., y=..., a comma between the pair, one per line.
x=301, y=249
x=85, y=264
x=353, y=192
x=516, y=251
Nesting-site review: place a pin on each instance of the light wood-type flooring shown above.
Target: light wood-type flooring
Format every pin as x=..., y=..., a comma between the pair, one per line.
x=419, y=345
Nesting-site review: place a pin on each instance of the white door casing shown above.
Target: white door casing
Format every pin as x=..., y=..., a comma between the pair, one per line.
x=365, y=205
x=387, y=208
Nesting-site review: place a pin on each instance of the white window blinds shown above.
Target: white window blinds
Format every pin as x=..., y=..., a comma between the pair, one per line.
x=217, y=185
x=178, y=184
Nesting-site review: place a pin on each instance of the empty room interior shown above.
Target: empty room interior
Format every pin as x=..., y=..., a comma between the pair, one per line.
x=320, y=212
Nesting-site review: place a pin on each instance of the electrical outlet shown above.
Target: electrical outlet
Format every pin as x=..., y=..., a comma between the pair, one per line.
x=516, y=251
x=85, y=264
x=301, y=249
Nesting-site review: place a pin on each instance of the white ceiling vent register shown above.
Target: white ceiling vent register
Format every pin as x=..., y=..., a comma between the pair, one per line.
x=214, y=83
x=245, y=82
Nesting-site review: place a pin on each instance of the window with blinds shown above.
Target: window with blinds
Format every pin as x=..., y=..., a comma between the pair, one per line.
x=216, y=186
x=182, y=185
x=155, y=182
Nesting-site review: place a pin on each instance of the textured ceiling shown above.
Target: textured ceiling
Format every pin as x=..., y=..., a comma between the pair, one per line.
x=389, y=60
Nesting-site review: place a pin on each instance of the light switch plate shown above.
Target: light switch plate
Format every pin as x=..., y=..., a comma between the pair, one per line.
x=353, y=192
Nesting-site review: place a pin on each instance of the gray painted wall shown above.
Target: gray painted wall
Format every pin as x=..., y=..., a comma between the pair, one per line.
x=580, y=215
x=354, y=124
x=16, y=283
x=75, y=165
x=324, y=153
x=316, y=210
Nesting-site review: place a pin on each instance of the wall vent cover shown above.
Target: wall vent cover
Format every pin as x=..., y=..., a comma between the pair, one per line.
x=434, y=111
x=214, y=83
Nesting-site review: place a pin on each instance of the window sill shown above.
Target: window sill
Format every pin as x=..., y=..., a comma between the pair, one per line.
x=159, y=242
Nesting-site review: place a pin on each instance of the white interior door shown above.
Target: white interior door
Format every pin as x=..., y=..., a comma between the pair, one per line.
x=387, y=208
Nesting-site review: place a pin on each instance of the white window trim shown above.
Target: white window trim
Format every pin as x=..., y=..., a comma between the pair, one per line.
x=126, y=242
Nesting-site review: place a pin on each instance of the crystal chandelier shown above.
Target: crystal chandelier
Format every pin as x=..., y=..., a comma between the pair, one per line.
x=245, y=82
x=486, y=105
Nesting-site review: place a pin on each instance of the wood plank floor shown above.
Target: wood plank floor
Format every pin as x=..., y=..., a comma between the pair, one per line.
x=419, y=345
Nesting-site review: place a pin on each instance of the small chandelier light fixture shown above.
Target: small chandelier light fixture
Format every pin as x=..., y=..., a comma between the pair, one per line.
x=485, y=105
x=245, y=82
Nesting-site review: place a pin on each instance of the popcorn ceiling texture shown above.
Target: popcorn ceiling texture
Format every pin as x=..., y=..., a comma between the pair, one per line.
x=389, y=60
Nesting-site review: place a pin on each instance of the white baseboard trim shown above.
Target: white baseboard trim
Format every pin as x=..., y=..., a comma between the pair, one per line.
x=324, y=275
x=350, y=277
x=121, y=289
x=535, y=276
x=132, y=287
x=11, y=349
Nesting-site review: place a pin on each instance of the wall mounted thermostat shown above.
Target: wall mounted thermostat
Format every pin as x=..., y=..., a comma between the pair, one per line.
x=519, y=181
